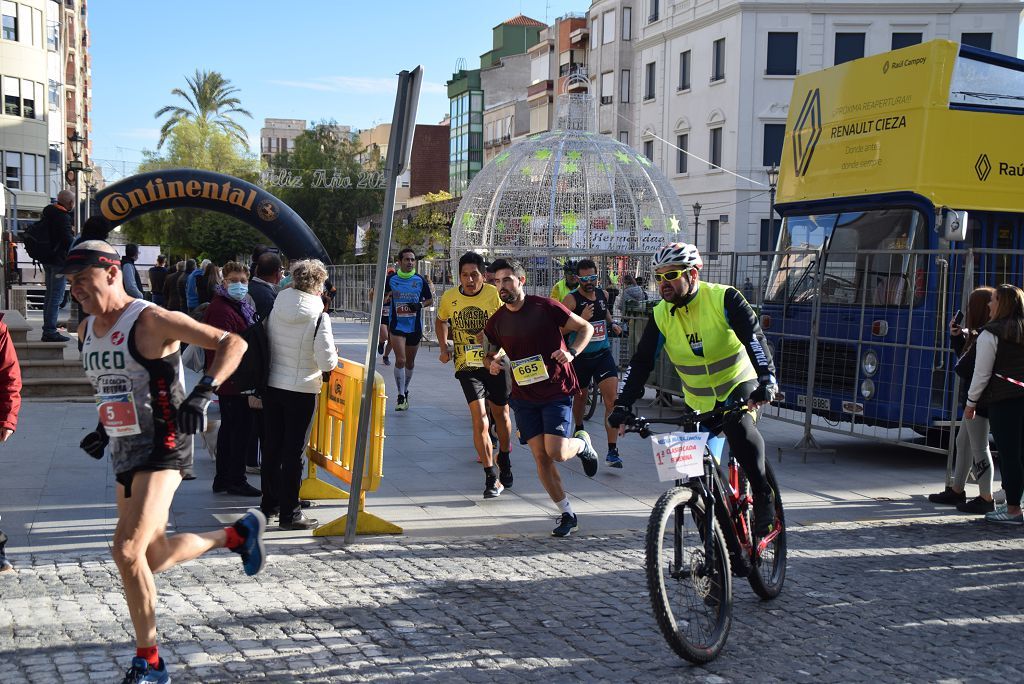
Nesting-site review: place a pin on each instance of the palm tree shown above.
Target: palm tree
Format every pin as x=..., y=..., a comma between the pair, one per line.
x=211, y=100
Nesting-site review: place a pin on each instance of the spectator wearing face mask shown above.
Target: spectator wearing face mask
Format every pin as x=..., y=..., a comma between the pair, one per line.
x=232, y=310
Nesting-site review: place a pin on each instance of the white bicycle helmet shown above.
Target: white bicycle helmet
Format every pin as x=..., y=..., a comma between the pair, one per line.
x=680, y=254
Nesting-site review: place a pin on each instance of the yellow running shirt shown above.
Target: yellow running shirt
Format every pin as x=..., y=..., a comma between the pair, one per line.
x=466, y=318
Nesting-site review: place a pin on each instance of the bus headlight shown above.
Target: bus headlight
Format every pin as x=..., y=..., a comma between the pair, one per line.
x=867, y=389
x=869, y=363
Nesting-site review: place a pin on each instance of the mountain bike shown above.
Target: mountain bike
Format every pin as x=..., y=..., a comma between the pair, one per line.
x=691, y=557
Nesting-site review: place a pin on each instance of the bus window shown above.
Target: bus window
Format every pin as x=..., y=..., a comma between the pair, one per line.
x=849, y=275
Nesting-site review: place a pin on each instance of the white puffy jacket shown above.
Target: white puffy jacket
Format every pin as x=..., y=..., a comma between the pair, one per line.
x=297, y=357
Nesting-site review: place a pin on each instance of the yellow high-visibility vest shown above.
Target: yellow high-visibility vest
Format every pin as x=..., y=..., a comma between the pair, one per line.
x=701, y=326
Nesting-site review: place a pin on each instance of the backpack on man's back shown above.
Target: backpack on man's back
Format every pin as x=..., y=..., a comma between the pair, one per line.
x=38, y=244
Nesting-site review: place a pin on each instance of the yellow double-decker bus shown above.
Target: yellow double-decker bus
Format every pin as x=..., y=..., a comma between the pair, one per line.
x=901, y=188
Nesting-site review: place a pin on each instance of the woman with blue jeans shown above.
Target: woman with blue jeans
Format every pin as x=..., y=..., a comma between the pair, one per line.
x=998, y=385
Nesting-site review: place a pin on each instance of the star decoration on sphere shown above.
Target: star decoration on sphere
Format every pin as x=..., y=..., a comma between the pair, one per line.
x=574, y=155
x=500, y=226
x=622, y=156
x=673, y=224
x=526, y=171
x=542, y=154
x=643, y=160
x=569, y=223
x=469, y=220
x=501, y=158
x=526, y=220
x=570, y=167
x=648, y=223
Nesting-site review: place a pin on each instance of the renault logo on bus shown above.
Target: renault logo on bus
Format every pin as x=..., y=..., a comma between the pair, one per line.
x=983, y=167
x=806, y=132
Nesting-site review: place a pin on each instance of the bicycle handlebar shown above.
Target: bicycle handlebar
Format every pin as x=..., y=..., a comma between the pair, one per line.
x=689, y=419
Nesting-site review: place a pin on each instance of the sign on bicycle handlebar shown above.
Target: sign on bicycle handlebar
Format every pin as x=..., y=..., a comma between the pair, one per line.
x=679, y=455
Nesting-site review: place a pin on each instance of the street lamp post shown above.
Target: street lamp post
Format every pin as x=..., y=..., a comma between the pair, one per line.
x=773, y=179
x=75, y=166
x=696, y=222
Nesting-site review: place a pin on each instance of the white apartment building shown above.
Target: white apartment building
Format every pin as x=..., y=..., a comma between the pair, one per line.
x=46, y=91
x=278, y=135
x=714, y=77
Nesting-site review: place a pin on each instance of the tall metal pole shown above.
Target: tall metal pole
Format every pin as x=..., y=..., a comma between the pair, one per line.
x=403, y=124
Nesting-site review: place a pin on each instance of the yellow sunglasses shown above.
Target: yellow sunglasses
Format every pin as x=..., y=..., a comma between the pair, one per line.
x=670, y=275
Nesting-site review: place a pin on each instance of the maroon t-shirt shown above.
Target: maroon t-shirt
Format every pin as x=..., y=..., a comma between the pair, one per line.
x=535, y=329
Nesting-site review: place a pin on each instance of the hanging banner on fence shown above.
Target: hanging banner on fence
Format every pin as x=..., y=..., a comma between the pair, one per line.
x=679, y=455
x=336, y=396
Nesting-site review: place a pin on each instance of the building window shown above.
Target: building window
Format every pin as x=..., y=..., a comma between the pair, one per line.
x=684, y=70
x=978, y=40
x=12, y=95
x=902, y=40
x=12, y=170
x=715, y=148
x=653, y=16
x=683, y=143
x=649, y=149
x=624, y=137
x=782, y=48
x=849, y=46
x=28, y=177
x=774, y=134
x=28, y=99
x=608, y=27
x=9, y=10
x=713, y=237
x=649, y=76
x=627, y=23
x=718, y=60
x=624, y=86
x=54, y=96
x=769, y=237
x=607, y=87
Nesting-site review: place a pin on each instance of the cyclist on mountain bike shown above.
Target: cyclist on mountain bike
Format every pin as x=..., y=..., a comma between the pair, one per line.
x=715, y=342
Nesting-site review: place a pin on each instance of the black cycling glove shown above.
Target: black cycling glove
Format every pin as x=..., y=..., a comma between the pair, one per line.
x=192, y=412
x=95, y=442
x=765, y=392
x=619, y=415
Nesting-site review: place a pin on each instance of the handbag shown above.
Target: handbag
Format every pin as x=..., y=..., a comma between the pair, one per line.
x=194, y=358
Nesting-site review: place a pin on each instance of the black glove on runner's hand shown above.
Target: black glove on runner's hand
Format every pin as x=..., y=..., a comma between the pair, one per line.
x=95, y=442
x=192, y=412
x=619, y=415
x=765, y=392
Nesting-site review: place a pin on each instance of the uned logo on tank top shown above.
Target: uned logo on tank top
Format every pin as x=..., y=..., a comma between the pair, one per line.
x=117, y=338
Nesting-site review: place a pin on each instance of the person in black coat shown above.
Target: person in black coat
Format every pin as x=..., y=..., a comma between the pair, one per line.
x=58, y=221
x=263, y=287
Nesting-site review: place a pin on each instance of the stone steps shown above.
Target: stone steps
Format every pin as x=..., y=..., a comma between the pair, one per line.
x=36, y=388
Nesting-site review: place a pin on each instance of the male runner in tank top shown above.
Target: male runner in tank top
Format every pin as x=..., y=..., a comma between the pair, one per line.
x=595, y=362
x=529, y=329
x=131, y=353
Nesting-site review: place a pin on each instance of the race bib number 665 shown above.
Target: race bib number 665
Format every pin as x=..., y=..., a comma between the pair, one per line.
x=529, y=370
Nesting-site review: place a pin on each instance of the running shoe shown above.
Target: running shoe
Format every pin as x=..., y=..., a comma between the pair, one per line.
x=386, y=360
x=1004, y=518
x=948, y=497
x=380, y=349
x=505, y=469
x=976, y=506
x=141, y=672
x=588, y=457
x=402, y=404
x=613, y=459
x=567, y=524
x=492, y=488
x=251, y=526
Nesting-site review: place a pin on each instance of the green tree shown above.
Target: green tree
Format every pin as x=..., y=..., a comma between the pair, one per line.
x=193, y=232
x=211, y=101
x=336, y=188
x=430, y=230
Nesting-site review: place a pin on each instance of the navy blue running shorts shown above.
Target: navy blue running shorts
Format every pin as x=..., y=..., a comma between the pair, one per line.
x=542, y=418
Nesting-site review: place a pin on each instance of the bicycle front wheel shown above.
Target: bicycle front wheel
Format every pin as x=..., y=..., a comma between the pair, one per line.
x=691, y=593
x=769, y=573
x=593, y=399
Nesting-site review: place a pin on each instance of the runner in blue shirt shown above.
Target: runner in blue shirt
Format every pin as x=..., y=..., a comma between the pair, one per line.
x=406, y=293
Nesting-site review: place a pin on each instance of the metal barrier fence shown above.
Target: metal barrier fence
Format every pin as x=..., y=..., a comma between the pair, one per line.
x=860, y=337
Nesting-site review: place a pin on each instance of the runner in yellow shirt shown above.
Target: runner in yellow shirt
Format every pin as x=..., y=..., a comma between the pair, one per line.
x=461, y=315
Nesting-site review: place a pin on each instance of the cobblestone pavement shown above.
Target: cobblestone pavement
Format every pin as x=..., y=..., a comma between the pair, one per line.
x=888, y=601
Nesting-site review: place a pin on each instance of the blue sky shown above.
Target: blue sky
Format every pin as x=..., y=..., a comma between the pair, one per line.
x=310, y=59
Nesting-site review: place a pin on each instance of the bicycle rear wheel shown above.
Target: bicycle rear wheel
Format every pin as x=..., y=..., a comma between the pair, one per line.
x=769, y=573
x=691, y=595
x=593, y=399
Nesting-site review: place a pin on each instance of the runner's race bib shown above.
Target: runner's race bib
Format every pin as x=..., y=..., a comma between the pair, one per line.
x=529, y=370
x=118, y=414
x=474, y=354
x=600, y=331
x=405, y=311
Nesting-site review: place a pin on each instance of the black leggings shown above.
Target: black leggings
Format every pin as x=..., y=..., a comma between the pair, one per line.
x=745, y=441
x=287, y=417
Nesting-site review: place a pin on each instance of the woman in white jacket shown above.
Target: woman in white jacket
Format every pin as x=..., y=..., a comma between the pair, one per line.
x=301, y=349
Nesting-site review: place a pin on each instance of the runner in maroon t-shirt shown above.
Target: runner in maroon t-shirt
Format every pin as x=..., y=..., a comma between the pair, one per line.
x=530, y=331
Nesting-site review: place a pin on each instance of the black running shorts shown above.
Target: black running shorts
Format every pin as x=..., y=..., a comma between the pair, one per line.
x=596, y=367
x=480, y=384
